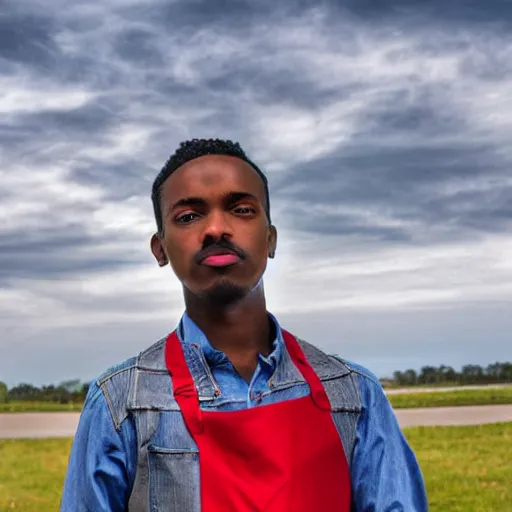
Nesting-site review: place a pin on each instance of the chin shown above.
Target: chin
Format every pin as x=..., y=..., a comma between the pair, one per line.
x=225, y=293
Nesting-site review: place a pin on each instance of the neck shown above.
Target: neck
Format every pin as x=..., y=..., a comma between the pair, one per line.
x=241, y=330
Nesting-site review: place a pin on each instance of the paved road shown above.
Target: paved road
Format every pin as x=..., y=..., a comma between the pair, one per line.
x=470, y=415
x=57, y=424
x=38, y=424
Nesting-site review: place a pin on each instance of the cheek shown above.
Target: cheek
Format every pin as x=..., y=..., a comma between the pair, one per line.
x=260, y=245
x=180, y=251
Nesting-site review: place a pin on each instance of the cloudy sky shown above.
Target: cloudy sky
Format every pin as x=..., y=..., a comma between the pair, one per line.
x=385, y=129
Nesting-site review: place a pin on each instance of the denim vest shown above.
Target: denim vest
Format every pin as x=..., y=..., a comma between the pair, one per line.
x=167, y=477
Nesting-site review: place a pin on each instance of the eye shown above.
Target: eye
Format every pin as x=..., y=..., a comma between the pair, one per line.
x=186, y=218
x=245, y=210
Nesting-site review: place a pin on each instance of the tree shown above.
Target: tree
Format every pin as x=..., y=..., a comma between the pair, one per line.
x=3, y=393
x=472, y=374
x=398, y=377
x=25, y=392
x=411, y=378
x=494, y=372
x=428, y=375
x=447, y=374
x=507, y=372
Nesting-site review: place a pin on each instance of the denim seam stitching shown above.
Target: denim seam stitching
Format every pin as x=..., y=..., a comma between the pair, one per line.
x=110, y=406
x=152, y=370
x=285, y=385
x=208, y=371
x=366, y=376
x=102, y=380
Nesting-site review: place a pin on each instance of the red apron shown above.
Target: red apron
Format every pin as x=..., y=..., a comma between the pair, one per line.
x=282, y=457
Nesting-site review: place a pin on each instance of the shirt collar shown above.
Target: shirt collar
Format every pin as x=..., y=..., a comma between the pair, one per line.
x=189, y=332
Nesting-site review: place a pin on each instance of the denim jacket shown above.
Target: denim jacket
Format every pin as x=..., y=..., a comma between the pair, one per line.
x=133, y=452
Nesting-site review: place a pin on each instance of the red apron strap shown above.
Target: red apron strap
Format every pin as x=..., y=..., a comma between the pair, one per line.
x=185, y=392
x=316, y=387
x=184, y=389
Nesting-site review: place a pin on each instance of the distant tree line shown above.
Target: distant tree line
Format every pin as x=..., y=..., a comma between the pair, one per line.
x=469, y=374
x=66, y=392
x=75, y=391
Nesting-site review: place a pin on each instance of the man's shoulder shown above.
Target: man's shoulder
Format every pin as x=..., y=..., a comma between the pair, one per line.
x=326, y=365
x=118, y=383
x=360, y=370
x=370, y=388
x=150, y=358
x=318, y=357
x=118, y=369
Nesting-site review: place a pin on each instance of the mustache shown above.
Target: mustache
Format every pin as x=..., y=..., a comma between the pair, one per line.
x=222, y=245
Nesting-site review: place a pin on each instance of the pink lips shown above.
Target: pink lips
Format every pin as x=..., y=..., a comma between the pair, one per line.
x=221, y=260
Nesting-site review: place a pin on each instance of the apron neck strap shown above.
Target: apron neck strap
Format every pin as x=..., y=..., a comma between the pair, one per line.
x=317, y=390
x=185, y=392
x=184, y=389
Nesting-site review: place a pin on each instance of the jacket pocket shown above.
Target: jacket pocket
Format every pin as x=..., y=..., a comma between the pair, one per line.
x=173, y=480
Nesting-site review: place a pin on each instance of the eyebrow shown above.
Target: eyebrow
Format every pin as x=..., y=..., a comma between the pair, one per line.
x=234, y=197
x=230, y=198
x=188, y=201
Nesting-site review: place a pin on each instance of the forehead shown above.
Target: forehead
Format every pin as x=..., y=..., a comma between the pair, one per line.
x=211, y=176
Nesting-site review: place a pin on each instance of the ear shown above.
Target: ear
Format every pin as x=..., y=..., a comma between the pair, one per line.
x=272, y=241
x=157, y=248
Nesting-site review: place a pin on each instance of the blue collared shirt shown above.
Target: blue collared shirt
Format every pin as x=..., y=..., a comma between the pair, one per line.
x=239, y=392
x=385, y=475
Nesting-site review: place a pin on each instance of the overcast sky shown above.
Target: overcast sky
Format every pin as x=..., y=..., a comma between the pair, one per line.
x=385, y=130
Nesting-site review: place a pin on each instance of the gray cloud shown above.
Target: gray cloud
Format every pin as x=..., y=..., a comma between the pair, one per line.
x=26, y=38
x=401, y=176
x=383, y=127
x=53, y=253
x=457, y=12
x=407, y=184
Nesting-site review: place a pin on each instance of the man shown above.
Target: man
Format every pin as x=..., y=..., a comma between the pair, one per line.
x=230, y=412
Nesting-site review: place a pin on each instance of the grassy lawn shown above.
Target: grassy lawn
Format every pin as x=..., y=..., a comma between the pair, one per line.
x=491, y=396
x=32, y=474
x=442, y=385
x=466, y=469
x=20, y=406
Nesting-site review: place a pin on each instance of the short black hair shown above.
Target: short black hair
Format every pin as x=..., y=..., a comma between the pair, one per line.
x=195, y=148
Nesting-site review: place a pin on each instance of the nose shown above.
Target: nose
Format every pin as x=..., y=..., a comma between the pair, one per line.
x=218, y=225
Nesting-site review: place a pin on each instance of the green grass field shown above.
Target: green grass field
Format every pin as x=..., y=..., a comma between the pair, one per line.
x=20, y=406
x=467, y=469
x=32, y=474
x=406, y=400
x=491, y=396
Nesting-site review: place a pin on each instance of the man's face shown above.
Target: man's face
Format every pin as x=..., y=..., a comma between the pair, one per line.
x=216, y=234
